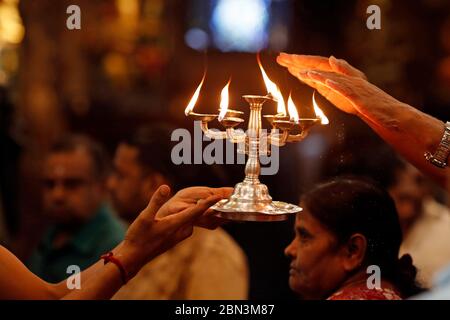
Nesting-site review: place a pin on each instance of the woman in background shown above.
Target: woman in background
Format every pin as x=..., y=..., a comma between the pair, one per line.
x=346, y=226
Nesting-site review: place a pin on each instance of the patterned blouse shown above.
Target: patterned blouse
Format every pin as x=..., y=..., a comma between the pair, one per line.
x=361, y=292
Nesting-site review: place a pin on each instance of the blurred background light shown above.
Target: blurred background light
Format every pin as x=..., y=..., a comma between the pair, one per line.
x=11, y=27
x=240, y=25
x=197, y=38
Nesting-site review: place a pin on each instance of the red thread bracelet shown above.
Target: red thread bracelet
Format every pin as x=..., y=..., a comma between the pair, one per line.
x=109, y=257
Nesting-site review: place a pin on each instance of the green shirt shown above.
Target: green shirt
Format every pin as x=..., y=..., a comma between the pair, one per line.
x=98, y=236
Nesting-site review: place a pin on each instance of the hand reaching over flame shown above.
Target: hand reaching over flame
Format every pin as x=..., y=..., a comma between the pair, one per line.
x=343, y=85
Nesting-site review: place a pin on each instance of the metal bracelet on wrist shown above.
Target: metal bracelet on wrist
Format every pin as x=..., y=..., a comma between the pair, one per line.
x=439, y=158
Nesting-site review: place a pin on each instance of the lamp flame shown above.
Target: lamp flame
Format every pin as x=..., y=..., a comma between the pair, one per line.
x=194, y=98
x=319, y=113
x=292, y=109
x=224, y=100
x=273, y=90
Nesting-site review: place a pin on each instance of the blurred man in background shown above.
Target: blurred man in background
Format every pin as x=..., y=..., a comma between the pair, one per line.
x=209, y=264
x=74, y=194
x=425, y=222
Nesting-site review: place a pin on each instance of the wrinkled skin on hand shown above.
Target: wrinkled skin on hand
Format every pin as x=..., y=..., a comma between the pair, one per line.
x=343, y=85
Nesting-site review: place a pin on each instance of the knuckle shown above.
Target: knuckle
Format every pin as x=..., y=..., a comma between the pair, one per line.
x=145, y=220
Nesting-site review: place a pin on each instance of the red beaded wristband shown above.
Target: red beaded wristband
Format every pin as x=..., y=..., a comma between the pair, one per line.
x=109, y=257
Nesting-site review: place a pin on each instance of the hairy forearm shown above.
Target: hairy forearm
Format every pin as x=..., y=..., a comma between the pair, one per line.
x=410, y=132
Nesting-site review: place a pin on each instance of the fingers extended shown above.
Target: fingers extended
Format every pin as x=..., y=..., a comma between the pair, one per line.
x=225, y=192
x=304, y=61
x=189, y=215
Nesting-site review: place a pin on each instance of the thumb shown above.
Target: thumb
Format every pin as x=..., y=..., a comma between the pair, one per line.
x=160, y=197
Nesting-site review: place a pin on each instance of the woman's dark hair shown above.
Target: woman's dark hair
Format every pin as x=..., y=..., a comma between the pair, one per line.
x=348, y=205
